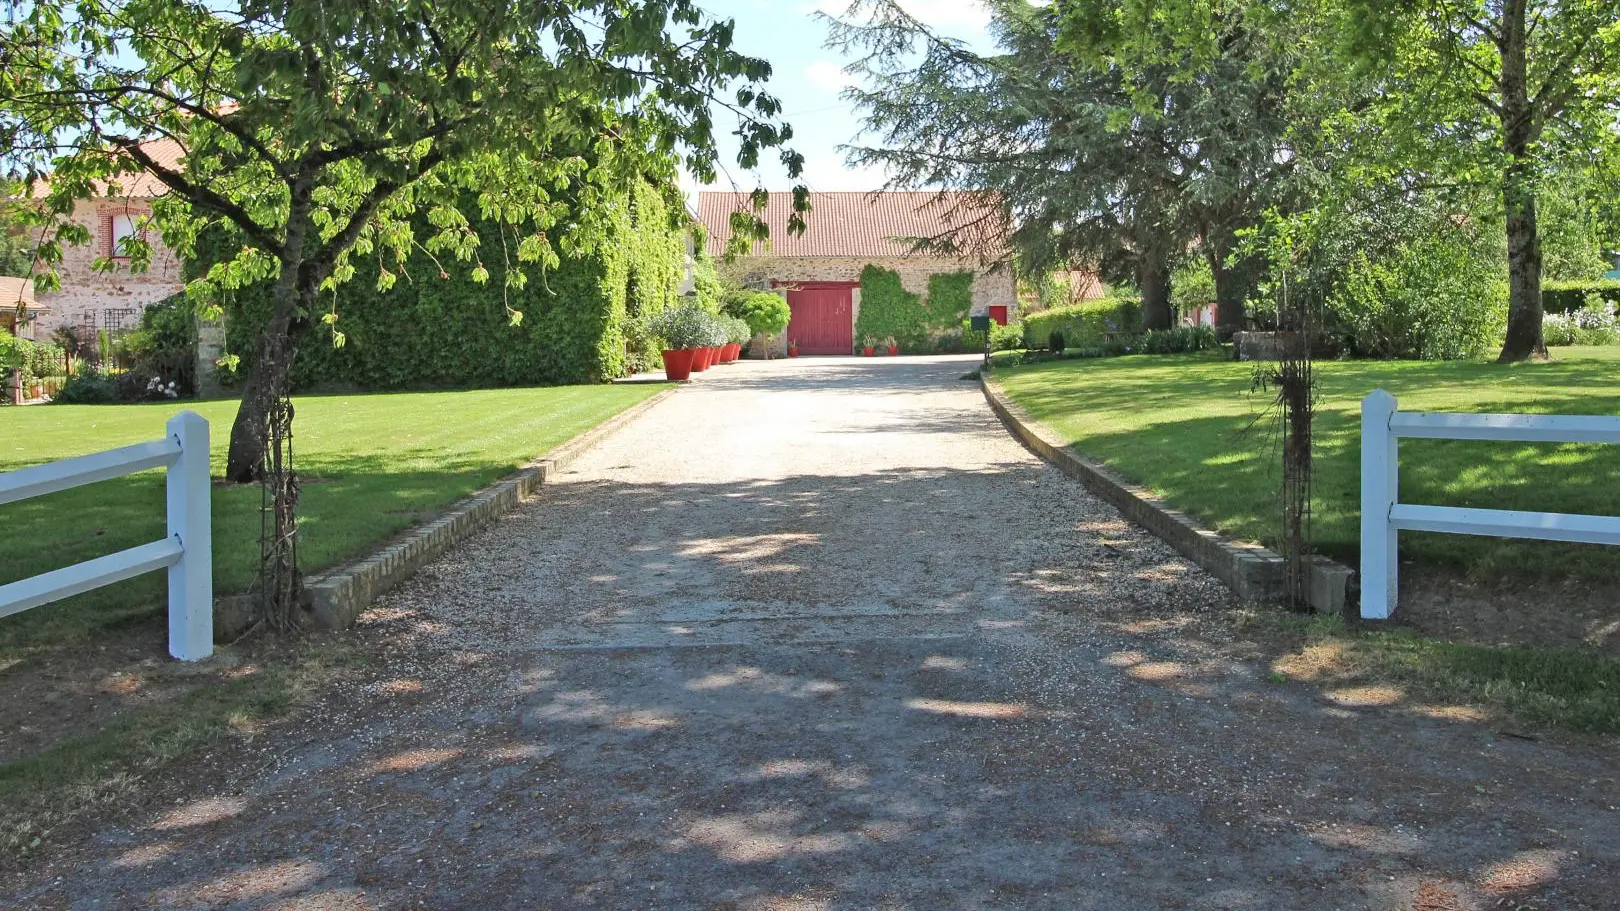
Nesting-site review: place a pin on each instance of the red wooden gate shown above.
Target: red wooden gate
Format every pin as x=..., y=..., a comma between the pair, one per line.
x=823, y=319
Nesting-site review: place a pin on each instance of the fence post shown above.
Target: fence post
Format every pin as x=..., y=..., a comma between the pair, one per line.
x=1380, y=486
x=191, y=581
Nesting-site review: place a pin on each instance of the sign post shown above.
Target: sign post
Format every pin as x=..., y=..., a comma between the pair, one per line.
x=982, y=324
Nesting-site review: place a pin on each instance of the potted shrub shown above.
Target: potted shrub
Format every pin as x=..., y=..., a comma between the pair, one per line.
x=682, y=331
x=766, y=314
x=793, y=348
x=739, y=337
x=890, y=344
x=867, y=346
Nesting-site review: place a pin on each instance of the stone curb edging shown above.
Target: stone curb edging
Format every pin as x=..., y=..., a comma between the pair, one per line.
x=338, y=595
x=1252, y=572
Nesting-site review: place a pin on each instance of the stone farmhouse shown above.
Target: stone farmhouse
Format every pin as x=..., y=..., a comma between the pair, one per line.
x=820, y=270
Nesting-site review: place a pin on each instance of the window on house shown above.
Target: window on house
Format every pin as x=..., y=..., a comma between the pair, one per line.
x=125, y=225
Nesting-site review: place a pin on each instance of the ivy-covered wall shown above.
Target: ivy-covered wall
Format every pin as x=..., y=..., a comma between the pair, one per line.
x=916, y=322
x=579, y=320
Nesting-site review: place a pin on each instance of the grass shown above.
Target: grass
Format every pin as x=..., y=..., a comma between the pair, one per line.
x=1565, y=688
x=1188, y=427
x=372, y=466
x=102, y=768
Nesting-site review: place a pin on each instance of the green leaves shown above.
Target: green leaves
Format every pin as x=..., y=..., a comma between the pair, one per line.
x=318, y=127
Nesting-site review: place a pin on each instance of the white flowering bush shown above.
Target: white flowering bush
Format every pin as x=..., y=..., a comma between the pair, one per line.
x=1596, y=323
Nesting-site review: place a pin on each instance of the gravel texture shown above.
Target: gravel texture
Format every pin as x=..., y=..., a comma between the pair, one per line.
x=818, y=634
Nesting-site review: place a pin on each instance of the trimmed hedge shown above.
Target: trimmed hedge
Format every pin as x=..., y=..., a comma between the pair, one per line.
x=1183, y=340
x=581, y=321
x=1568, y=297
x=1084, y=325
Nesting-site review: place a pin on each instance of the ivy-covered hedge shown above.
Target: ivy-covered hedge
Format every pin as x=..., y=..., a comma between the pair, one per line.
x=918, y=324
x=1568, y=297
x=581, y=321
x=1084, y=325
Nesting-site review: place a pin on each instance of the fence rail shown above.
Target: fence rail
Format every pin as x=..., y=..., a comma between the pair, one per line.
x=1384, y=517
x=186, y=553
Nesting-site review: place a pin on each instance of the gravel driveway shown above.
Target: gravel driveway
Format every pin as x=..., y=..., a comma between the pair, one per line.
x=818, y=634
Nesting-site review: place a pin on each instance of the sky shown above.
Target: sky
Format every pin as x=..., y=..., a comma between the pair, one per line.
x=808, y=77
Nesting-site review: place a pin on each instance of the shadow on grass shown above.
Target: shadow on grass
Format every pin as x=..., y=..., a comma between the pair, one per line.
x=1190, y=429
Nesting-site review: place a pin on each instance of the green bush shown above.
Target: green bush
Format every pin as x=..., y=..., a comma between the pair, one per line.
x=15, y=354
x=683, y=326
x=1084, y=324
x=1568, y=297
x=581, y=323
x=1179, y=341
x=90, y=387
x=164, y=348
x=764, y=312
x=1596, y=323
x=1002, y=338
x=1428, y=300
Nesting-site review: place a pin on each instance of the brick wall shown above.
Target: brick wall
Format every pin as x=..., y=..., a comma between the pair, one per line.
x=85, y=291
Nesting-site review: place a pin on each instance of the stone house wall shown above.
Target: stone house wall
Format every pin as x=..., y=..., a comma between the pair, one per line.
x=990, y=288
x=87, y=293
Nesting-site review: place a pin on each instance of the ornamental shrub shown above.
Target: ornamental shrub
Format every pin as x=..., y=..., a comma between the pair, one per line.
x=737, y=331
x=1568, y=297
x=1596, y=323
x=763, y=312
x=89, y=387
x=1085, y=324
x=163, y=350
x=682, y=326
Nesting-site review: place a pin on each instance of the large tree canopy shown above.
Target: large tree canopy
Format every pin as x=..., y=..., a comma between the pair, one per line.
x=1123, y=137
x=1499, y=92
x=315, y=129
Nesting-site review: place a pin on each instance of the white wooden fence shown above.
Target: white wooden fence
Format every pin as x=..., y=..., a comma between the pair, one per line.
x=1383, y=516
x=186, y=552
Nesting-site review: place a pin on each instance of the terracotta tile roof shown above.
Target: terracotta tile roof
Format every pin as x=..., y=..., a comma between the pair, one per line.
x=15, y=290
x=863, y=224
x=167, y=153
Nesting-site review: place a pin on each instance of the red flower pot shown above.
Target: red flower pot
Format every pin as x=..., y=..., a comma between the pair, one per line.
x=730, y=353
x=894, y=350
x=866, y=352
x=700, y=360
x=793, y=352
x=678, y=365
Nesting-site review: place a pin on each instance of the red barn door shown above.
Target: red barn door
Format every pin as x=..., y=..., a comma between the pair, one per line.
x=823, y=319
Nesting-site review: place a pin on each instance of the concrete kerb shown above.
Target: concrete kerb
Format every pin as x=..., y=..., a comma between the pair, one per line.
x=338, y=595
x=1254, y=573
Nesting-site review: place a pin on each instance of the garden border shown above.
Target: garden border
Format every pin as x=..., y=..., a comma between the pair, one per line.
x=1252, y=572
x=339, y=594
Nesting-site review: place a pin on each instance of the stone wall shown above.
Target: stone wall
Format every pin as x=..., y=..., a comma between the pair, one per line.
x=87, y=293
x=989, y=288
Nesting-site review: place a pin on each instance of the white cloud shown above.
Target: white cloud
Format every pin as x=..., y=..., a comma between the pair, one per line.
x=828, y=75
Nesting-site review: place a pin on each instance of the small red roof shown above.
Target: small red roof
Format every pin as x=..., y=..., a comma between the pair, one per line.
x=863, y=224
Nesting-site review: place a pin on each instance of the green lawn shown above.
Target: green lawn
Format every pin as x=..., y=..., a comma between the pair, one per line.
x=372, y=466
x=1186, y=426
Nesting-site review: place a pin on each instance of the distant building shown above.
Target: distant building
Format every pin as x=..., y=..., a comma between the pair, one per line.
x=820, y=270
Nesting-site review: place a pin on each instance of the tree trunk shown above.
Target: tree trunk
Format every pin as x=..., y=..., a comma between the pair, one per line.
x=1154, y=278
x=266, y=384
x=1231, y=290
x=1524, y=339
